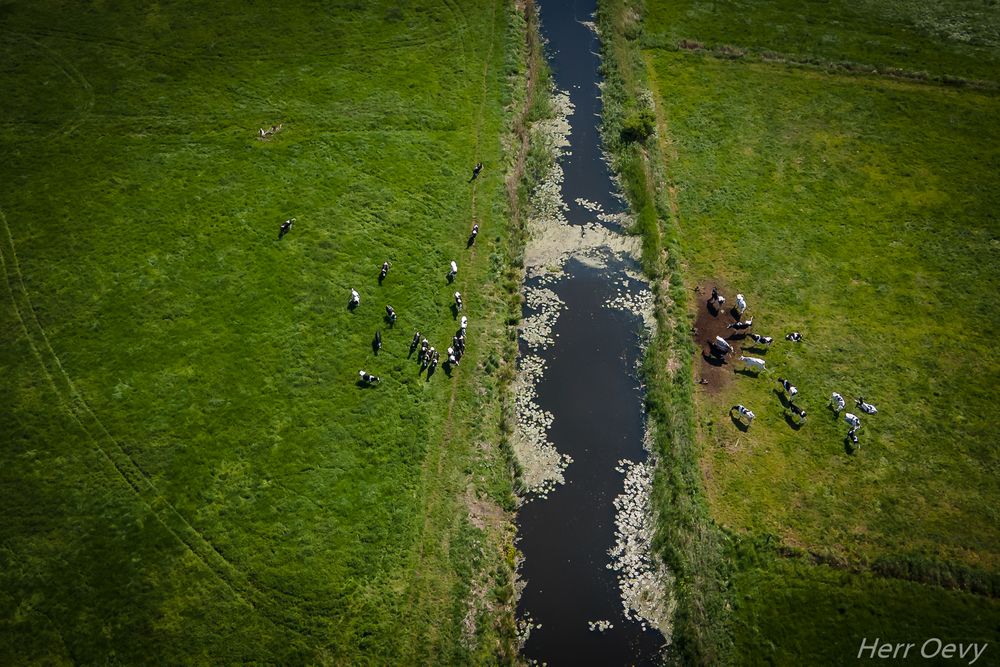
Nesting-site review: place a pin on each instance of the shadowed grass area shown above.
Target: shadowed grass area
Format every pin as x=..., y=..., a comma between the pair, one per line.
x=190, y=469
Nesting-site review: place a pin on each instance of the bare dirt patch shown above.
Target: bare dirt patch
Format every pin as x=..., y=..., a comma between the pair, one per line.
x=714, y=374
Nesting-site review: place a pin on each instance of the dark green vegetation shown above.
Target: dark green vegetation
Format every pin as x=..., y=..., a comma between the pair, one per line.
x=859, y=210
x=189, y=472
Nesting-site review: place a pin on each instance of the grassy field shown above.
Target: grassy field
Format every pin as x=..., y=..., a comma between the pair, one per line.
x=859, y=210
x=190, y=473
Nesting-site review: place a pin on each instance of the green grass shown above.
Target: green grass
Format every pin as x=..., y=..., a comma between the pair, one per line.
x=189, y=470
x=856, y=211
x=952, y=40
x=859, y=210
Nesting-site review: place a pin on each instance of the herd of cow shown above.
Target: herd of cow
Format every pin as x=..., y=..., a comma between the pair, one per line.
x=428, y=357
x=719, y=349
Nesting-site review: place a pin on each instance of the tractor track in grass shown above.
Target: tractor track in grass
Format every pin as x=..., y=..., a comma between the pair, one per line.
x=78, y=409
x=427, y=586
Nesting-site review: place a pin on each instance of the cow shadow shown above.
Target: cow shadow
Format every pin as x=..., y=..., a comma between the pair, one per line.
x=749, y=372
x=430, y=372
x=781, y=397
x=737, y=335
x=713, y=309
x=351, y=305
x=454, y=311
x=738, y=423
x=361, y=384
x=375, y=346
x=470, y=242
x=849, y=447
x=790, y=420
x=714, y=360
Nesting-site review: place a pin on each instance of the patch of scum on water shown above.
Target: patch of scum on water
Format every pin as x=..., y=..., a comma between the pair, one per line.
x=643, y=581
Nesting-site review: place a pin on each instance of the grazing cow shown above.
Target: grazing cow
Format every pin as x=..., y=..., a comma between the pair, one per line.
x=753, y=363
x=797, y=411
x=355, y=298
x=415, y=341
x=720, y=347
x=367, y=377
x=743, y=412
x=475, y=171
x=866, y=407
x=853, y=420
x=761, y=340
x=795, y=337
x=285, y=226
x=390, y=314
x=453, y=272
x=384, y=272
x=788, y=387
x=740, y=326
x=741, y=304
x=475, y=232
x=452, y=358
x=852, y=434
x=377, y=344
x=458, y=300
x=837, y=402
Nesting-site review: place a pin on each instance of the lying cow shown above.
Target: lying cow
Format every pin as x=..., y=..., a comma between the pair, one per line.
x=761, y=340
x=795, y=337
x=367, y=377
x=743, y=412
x=853, y=420
x=753, y=363
x=720, y=347
x=788, y=387
x=852, y=434
x=837, y=402
x=740, y=326
x=866, y=407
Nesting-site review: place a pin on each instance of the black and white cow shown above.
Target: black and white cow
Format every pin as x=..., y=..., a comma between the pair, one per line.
x=367, y=377
x=795, y=337
x=453, y=270
x=475, y=171
x=788, y=387
x=797, y=411
x=384, y=272
x=853, y=420
x=866, y=407
x=390, y=314
x=720, y=347
x=458, y=301
x=355, y=299
x=837, y=402
x=285, y=226
x=743, y=412
x=741, y=326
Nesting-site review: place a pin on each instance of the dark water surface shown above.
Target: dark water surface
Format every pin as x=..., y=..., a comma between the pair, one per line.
x=591, y=388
